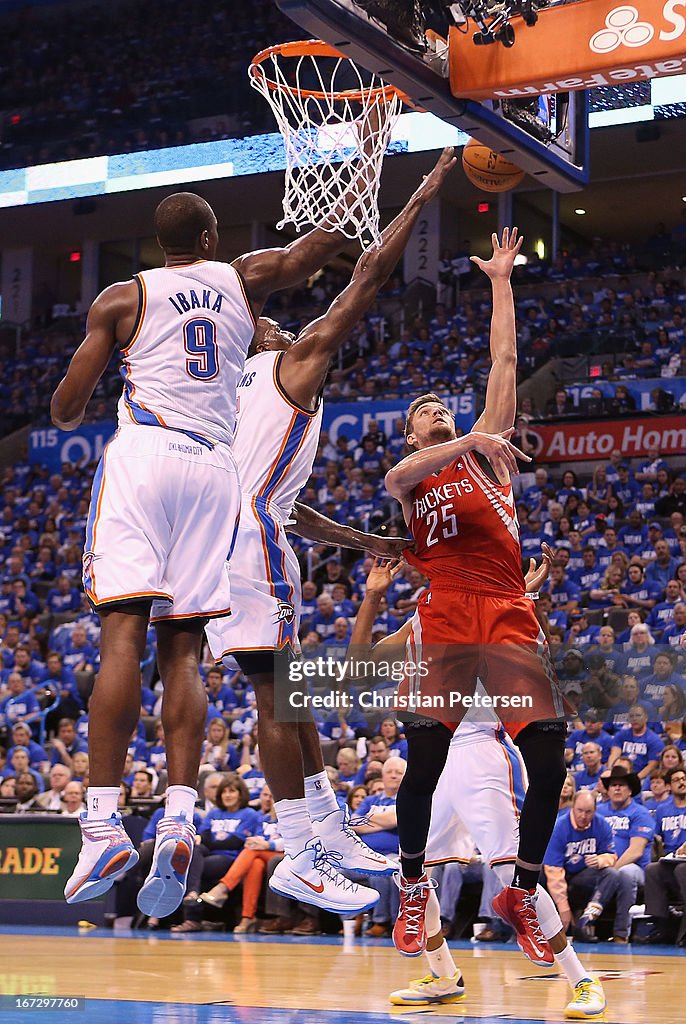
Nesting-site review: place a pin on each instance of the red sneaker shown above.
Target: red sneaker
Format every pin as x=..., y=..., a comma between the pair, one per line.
x=517, y=907
x=409, y=930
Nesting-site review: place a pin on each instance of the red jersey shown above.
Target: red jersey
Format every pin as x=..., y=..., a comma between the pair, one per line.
x=466, y=532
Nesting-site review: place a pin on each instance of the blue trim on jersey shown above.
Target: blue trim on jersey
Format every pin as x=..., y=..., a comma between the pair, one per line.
x=519, y=788
x=233, y=537
x=140, y=415
x=295, y=436
x=280, y=585
x=198, y=438
x=95, y=494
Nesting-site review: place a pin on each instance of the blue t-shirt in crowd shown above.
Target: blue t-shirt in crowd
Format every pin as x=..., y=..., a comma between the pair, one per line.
x=670, y=823
x=569, y=846
x=639, y=749
x=220, y=824
x=628, y=823
x=586, y=780
x=225, y=699
x=653, y=689
x=36, y=754
x=157, y=757
x=579, y=737
x=385, y=841
x=653, y=805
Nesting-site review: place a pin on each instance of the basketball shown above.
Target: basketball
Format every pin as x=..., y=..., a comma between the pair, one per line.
x=489, y=170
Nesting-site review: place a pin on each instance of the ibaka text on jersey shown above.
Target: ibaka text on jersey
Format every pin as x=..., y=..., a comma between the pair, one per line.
x=437, y=495
x=208, y=299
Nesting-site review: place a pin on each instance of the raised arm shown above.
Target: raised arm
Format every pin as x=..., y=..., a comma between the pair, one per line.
x=109, y=317
x=501, y=391
x=380, y=577
x=306, y=522
x=304, y=366
x=270, y=270
x=403, y=478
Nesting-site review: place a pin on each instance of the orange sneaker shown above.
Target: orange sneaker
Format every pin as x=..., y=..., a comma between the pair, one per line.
x=409, y=930
x=517, y=907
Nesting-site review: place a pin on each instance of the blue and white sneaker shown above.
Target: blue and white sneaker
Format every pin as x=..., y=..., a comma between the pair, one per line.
x=431, y=989
x=165, y=886
x=313, y=876
x=106, y=852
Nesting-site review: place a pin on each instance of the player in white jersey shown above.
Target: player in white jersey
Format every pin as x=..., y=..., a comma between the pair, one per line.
x=477, y=802
x=277, y=433
x=164, y=509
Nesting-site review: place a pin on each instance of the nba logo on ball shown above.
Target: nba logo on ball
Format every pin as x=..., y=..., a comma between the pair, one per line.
x=489, y=170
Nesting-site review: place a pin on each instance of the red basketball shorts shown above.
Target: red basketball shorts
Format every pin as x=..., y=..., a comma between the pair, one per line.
x=479, y=654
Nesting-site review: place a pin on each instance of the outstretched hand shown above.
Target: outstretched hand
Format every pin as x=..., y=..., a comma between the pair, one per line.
x=537, y=575
x=382, y=574
x=431, y=184
x=499, y=451
x=502, y=260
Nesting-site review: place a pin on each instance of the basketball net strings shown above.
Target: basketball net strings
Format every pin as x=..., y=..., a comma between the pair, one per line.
x=333, y=156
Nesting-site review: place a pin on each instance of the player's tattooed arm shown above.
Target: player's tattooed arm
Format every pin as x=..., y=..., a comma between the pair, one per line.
x=306, y=522
x=111, y=319
x=501, y=391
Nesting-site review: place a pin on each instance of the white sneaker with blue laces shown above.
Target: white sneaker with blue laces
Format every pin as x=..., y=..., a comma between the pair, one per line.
x=338, y=835
x=313, y=876
x=165, y=886
x=106, y=852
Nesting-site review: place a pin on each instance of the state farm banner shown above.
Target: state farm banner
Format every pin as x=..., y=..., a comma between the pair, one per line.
x=576, y=46
x=596, y=439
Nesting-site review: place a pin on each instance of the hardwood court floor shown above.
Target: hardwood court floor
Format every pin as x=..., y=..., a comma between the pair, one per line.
x=137, y=978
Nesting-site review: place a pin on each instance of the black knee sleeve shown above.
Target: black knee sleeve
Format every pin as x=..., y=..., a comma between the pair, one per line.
x=427, y=750
x=542, y=747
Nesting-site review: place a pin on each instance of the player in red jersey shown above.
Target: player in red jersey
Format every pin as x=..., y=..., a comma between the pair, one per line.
x=475, y=621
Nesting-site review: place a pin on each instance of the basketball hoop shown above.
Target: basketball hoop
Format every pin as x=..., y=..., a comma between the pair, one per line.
x=336, y=121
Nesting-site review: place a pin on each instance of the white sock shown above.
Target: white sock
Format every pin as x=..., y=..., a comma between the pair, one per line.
x=546, y=912
x=570, y=964
x=440, y=961
x=432, y=916
x=294, y=824
x=319, y=795
x=101, y=802
x=180, y=801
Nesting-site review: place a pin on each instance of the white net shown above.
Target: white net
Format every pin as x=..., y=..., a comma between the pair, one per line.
x=336, y=121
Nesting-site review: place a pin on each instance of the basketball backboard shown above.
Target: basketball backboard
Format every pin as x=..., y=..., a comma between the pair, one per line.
x=560, y=162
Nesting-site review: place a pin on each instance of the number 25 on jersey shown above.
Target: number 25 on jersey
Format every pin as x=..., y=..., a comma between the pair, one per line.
x=447, y=519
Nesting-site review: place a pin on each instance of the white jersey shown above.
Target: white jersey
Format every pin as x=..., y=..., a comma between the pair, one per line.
x=187, y=350
x=276, y=440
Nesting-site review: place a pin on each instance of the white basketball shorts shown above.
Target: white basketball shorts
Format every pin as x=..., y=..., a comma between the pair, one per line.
x=481, y=789
x=162, y=520
x=265, y=586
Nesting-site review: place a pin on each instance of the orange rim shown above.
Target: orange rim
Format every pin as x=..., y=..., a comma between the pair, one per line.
x=317, y=48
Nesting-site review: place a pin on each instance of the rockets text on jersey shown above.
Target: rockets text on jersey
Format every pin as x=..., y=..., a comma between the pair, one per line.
x=465, y=529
